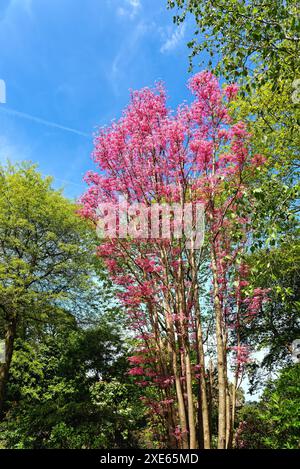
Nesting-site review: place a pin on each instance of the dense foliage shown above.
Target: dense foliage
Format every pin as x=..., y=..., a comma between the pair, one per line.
x=274, y=422
x=71, y=390
x=254, y=39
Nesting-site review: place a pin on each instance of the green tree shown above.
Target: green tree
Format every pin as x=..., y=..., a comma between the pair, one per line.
x=45, y=251
x=255, y=39
x=275, y=244
x=281, y=410
x=252, y=429
x=274, y=422
x=71, y=390
x=277, y=324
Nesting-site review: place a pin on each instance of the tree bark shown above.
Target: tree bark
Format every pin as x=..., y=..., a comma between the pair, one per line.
x=203, y=390
x=233, y=409
x=220, y=359
x=10, y=335
x=228, y=418
x=203, y=411
x=210, y=392
x=191, y=411
x=181, y=406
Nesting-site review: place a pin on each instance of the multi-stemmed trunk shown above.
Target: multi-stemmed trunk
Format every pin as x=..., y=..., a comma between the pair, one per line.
x=221, y=363
x=202, y=400
x=190, y=406
x=184, y=325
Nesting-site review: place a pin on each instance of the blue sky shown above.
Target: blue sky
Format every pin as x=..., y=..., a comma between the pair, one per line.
x=68, y=66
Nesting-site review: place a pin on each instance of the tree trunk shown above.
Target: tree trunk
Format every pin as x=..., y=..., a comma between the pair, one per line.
x=210, y=392
x=233, y=409
x=228, y=419
x=220, y=360
x=180, y=402
x=10, y=334
x=175, y=366
x=203, y=390
x=191, y=411
x=203, y=411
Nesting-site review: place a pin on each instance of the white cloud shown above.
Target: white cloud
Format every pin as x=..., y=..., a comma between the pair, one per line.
x=129, y=8
x=173, y=40
x=121, y=11
x=26, y=4
x=10, y=151
x=135, y=3
x=2, y=92
x=126, y=55
x=13, y=7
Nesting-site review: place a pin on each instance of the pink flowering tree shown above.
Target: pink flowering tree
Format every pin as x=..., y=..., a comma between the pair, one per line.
x=196, y=157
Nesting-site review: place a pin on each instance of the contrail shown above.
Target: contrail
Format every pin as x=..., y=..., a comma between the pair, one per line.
x=43, y=121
